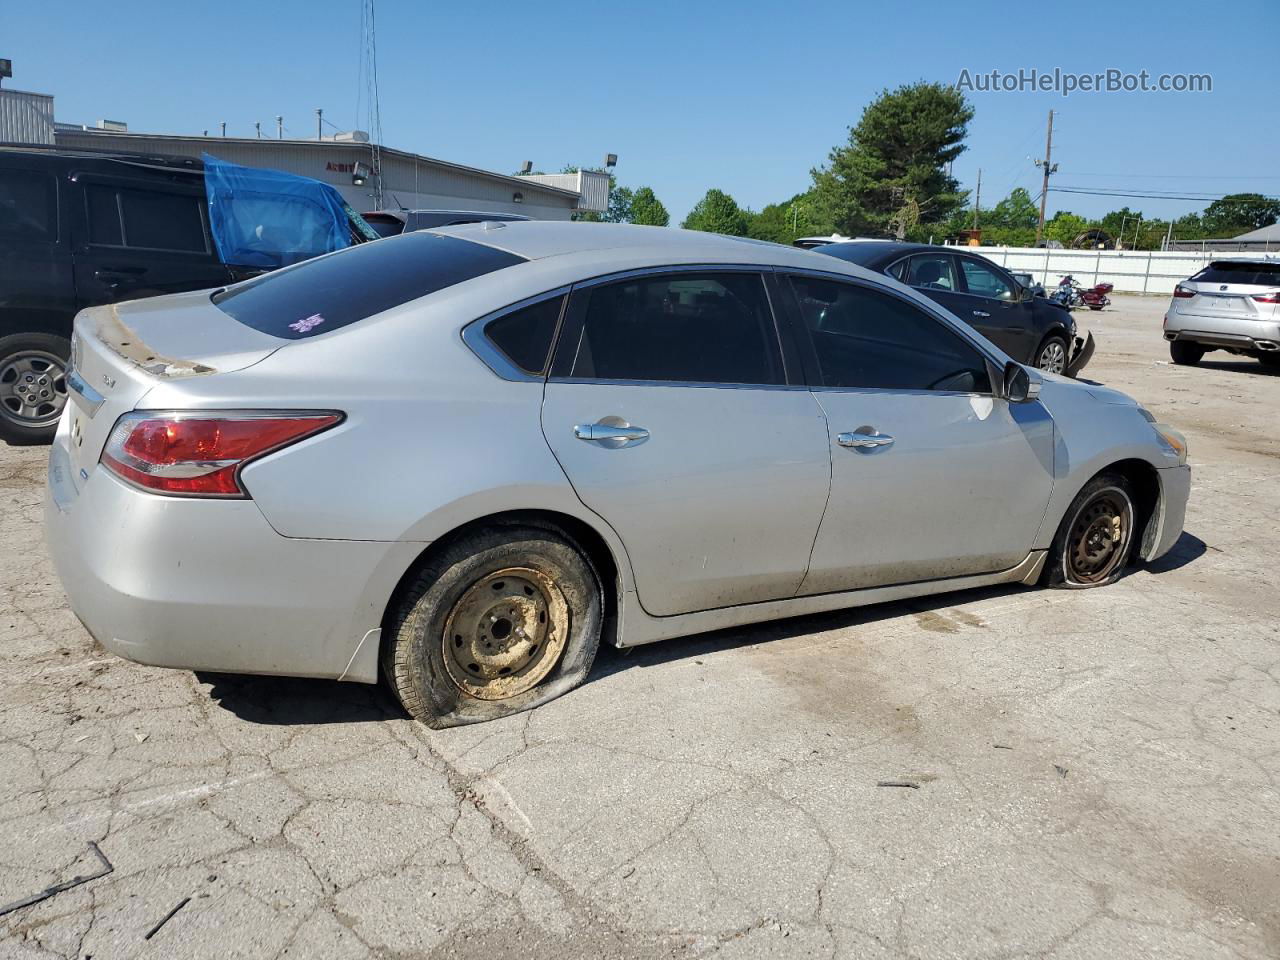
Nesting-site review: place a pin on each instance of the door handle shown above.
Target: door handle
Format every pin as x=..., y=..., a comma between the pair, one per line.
x=981, y=313
x=864, y=437
x=611, y=432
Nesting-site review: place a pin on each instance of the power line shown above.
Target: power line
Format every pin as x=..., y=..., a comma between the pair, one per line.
x=1152, y=196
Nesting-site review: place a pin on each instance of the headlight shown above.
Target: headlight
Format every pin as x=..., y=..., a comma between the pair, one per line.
x=1171, y=440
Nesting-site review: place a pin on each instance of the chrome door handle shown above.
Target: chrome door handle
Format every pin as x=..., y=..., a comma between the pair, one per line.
x=981, y=313
x=611, y=432
x=861, y=438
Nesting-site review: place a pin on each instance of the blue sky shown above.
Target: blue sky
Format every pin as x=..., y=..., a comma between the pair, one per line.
x=745, y=96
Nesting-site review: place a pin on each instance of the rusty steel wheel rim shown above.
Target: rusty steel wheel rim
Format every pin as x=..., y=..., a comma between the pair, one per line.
x=1099, y=537
x=505, y=633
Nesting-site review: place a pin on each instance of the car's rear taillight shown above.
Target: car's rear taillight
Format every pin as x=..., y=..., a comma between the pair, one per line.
x=1183, y=293
x=200, y=454
x=1271, y=297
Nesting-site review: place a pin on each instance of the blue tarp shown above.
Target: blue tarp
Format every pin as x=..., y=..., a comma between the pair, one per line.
x=268, y=218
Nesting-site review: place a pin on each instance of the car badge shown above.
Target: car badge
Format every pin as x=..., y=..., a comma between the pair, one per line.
x=108, y=381
x=1223, y=287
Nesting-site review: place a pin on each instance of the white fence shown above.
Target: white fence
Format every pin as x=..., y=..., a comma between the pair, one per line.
x=1131, y=271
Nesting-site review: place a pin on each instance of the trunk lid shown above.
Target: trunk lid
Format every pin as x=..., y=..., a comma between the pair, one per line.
x=120, y=351
x=1225, y=300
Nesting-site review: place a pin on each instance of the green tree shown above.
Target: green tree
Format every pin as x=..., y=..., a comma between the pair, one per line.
x=892, y=174
x=1012, y=221
x=784, y=222
x=647, y=209
x=717, y=212
x=1065, y=227
x=1239, y=213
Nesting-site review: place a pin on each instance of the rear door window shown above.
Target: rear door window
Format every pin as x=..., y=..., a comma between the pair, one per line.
x=146, y=219
x=28, y=206
x=1259, y=274
x=678, y=328
x=330, y=292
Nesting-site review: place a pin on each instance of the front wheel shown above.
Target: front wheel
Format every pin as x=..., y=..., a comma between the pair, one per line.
x=499, y=622
x=1052, y=355
x=33, y=386
x=1095, y=538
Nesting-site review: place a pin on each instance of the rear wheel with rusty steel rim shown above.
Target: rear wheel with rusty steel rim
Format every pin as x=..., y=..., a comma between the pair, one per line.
x=505, y=633
x=1098, y=539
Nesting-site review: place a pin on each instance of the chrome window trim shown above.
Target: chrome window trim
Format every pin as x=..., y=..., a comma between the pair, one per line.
x=760, y=269
x=85, y=397
x=491, y=355
x=929, y=307
x=697, y=385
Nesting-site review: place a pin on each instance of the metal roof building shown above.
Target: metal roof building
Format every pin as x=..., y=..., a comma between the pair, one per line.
x=408, y=180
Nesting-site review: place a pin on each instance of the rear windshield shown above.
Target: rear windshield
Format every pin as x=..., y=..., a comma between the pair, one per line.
x=331, y=292
x=385, y=224
x=1230, y=271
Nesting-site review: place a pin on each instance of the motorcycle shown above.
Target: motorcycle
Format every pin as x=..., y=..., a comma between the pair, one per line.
x=1071, y=294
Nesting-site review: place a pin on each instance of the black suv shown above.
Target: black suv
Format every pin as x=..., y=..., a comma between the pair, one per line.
x=80, y=228
x=1030, y=329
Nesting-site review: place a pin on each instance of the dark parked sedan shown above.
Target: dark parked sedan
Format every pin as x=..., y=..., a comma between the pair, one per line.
x=1028, y=328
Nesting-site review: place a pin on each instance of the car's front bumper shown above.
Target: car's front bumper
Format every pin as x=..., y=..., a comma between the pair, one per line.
x=1175, y=490
x=208, y=585
x=1081, y=354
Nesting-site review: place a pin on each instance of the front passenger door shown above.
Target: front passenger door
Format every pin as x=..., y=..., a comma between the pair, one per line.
x=670, y=411
x=931, y=476
x=995, y=308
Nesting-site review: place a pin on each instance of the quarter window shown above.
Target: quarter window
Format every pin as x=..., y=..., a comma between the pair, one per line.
x=931, y=271
x=525, y=335
x=28, y=206
x=867, y=339
x=982, y=281
x=686, y=327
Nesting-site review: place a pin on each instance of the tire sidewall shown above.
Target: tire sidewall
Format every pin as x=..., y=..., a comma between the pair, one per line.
x=18, y=434
x=1060, y=575
x=1052, y=338
x=439, y=699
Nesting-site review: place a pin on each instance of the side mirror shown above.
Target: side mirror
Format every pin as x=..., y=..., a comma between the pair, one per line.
x=1020, y=386
x=1028, y=294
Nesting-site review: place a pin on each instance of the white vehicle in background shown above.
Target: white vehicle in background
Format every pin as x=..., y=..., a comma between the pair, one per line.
x=1231, y=305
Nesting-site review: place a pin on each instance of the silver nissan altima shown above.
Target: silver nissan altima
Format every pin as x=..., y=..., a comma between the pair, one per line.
x=464, y=458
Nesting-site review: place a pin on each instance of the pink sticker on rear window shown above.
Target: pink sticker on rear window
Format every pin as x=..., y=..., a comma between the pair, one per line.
x=307, y=324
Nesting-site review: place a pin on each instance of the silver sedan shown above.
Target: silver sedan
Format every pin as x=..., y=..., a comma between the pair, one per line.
x=464, y=458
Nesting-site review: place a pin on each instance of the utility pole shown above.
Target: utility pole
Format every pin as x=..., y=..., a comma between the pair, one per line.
x=279, y=128
x=224, y=128
x=977, y=199
x=1048, y=169
x=319, y=124
x=257, y=127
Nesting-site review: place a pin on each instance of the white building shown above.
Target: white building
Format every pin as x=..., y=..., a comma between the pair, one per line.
x=348, y=161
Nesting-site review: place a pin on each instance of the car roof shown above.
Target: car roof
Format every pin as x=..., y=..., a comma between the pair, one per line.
x=540, y=239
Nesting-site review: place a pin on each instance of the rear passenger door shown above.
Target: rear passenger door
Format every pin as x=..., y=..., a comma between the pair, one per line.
x=138, y=238
x=37, y=292
x=672, y=414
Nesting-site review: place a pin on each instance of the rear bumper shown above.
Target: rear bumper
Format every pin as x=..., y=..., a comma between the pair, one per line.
x=209, y=585
x=1231, y=333
x=1175, y=490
